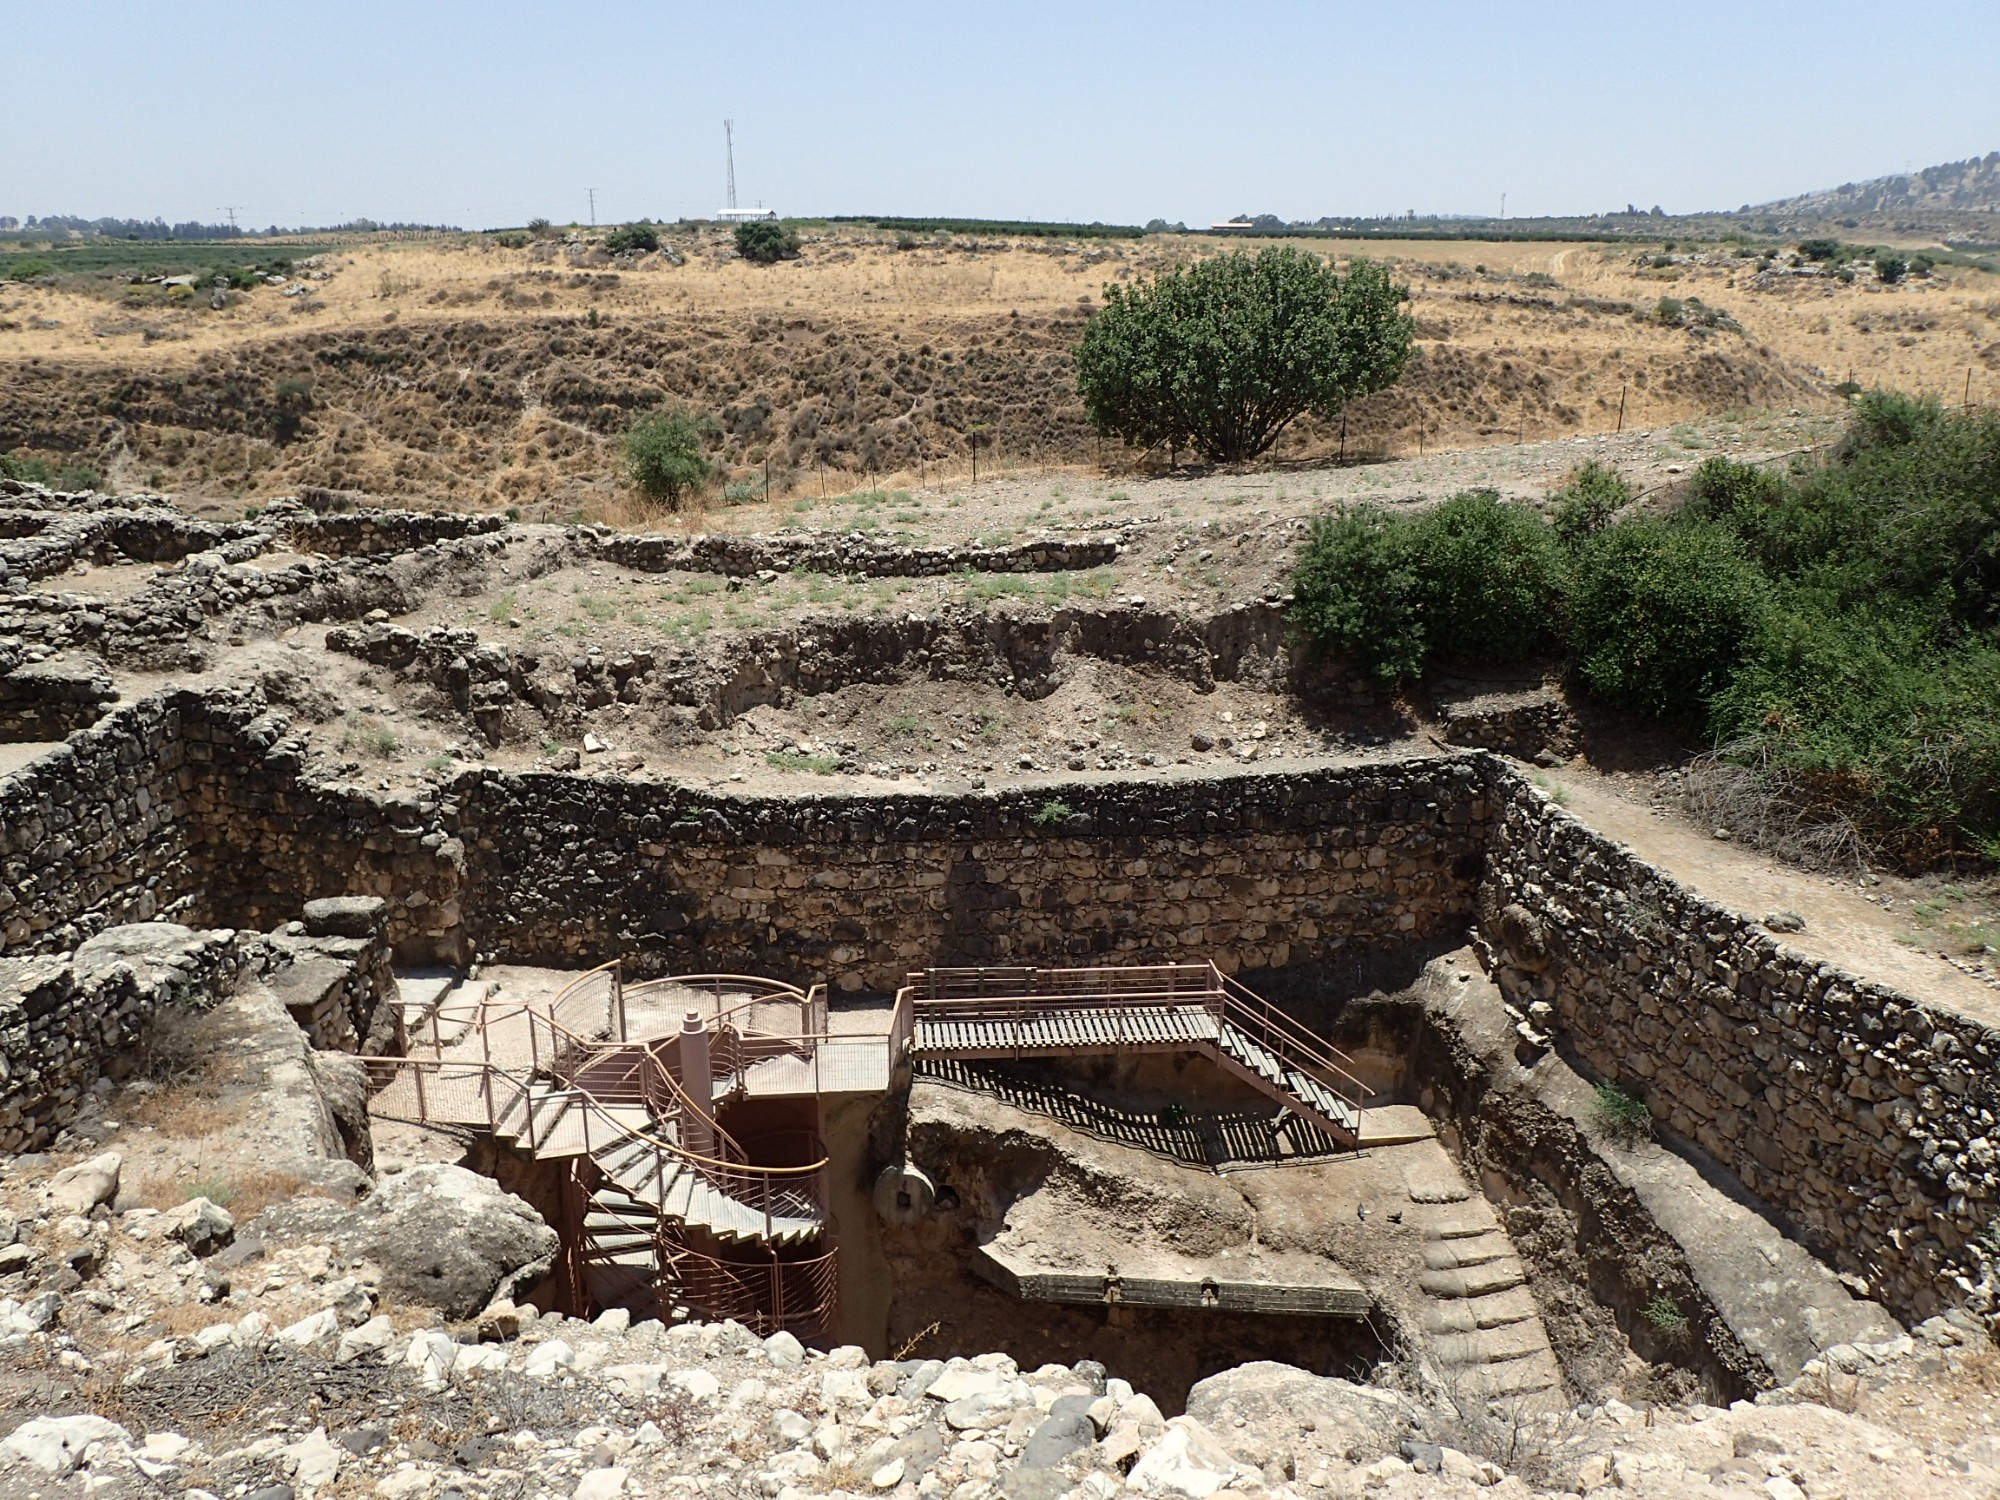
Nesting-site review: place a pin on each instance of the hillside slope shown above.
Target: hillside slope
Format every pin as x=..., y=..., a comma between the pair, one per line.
x=1971, y=186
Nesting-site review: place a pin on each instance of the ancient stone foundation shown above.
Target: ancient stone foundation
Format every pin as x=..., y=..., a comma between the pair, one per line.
x=1862, y=1117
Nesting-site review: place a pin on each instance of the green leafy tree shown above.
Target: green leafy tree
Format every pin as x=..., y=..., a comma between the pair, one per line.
x=1890, y=268
x=664, y=458
x=1221, y=357
x=765, y=242
x=640, y=236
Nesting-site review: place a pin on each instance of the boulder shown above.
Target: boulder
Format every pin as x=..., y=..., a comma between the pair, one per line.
x=202, y=1226
x=79, y=1189
x=55, y=1445
x=451, y=1239
x=1188, y=1461
x=1267, y=1413
x=345, y=916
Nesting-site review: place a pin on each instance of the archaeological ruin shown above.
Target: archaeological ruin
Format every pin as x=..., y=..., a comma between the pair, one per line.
x=1167, y=1065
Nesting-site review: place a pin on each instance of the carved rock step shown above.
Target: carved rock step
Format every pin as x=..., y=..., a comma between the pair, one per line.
x=1469, y=1313
x=1474, y=1281
x=1435, y=1181
x=1480, y=1250
x=1515, y=1377
x=1490, y=1346
x=1465, y=1224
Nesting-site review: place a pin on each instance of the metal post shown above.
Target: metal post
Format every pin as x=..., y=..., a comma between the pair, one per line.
x=697, y=1131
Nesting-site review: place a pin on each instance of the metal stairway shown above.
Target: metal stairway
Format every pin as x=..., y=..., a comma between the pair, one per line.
x=648, y=1217
x=1019, y=1013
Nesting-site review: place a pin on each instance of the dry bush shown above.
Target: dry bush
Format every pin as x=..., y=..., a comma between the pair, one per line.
x=181, y=1114
x=244, y=1194
x=1737, y=788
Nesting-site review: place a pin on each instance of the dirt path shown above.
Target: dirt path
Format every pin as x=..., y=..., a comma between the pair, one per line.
x=1842, y=925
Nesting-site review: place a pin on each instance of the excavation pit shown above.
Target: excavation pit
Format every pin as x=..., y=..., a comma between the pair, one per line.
x=1484, y=959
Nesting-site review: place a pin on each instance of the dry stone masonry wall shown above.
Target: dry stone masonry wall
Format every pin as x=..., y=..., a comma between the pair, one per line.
x=1865, y=1117
x=512, y=693
x=64, y=1019
x=1260, y=872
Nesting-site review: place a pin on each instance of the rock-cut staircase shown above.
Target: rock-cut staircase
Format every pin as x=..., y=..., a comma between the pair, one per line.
x=1481, y=1325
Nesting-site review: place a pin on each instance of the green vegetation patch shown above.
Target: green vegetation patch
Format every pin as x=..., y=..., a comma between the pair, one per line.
x=1837, y=627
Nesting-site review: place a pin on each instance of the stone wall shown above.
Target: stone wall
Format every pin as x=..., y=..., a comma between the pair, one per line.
x=1258, y=872
x=1865, y=1117
x=98, y=832
x=743, y=556
x=194, y=806
x=65, y=1019
x=371, y=532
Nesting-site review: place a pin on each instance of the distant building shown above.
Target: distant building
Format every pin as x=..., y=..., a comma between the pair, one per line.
x=744, y=215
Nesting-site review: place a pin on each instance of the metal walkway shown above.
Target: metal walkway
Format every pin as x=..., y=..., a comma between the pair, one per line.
x=1002, y=1013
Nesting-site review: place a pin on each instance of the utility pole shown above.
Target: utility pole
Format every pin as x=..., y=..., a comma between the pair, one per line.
x=1503, y=208
x=593, y=206
x=230, y=209
x=729, y=156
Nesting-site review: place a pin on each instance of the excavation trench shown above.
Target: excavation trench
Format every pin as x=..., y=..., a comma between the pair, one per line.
x=1484, y=961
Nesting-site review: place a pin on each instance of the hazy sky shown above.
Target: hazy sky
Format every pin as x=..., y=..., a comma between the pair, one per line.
x=487, y=114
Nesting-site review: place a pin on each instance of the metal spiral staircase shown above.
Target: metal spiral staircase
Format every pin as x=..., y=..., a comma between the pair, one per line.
x=663, y=1211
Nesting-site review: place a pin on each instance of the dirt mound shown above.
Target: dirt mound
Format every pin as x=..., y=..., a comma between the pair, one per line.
x=479, y=413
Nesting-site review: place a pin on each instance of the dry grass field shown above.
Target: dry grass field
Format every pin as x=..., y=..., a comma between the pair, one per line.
x=461, y=373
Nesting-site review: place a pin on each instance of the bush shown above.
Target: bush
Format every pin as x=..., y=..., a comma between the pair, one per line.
x=1661, y=614
x=1890, y=268
x=1587, y=501
x=1723, y=489
x=28, y=470
x=1224, y=355
x=1474, y=579
x=1622, y=1115
x=27, y=268
x=664, y=458
x=640, y=236
x=1820, y=249
x=765, y=242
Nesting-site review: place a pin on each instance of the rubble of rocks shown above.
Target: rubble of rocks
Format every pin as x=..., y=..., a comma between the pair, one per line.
x=187, y=1354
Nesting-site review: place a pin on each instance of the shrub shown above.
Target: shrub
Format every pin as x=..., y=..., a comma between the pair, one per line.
x=27, y=268
x=1820, y=249
x=1659, y=615
x=1725, y=489
x=664, y=458
x=1050, y=813
x=1225, y=354
x=1587, y=501
x=765, y=242
x=1622, y=1115
x=1474, y=579
x=1665, y=1314
x=1669, y=311
x=1890, y=268
x=74, y=477
x=640, y=236
x=29, y=470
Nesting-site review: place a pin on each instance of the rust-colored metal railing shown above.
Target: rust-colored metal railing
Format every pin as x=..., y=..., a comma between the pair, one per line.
x=765, y=1292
